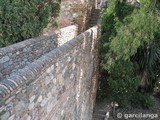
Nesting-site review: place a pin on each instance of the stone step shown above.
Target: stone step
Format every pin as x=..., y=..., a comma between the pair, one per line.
x=98, y=116
x=96, y=11
x=102, y=112
x=94, y=18
x=93, y=22
x=91, y=25
x=97, y=119
x=95, y=14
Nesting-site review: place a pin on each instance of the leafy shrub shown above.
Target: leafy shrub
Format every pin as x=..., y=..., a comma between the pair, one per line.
x=141, y=100
x=102, y=91
x=23, y=19
x=122, y=82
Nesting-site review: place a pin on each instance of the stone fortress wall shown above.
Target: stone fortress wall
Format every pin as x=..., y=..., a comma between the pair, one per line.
x=58, y=85
x=52, y=77
x=17, y=56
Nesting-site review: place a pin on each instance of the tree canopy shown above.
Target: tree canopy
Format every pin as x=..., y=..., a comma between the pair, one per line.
x=130, y=33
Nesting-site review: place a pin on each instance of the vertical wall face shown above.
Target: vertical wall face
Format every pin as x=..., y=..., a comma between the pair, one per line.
x=75, y=12
x=61, y=85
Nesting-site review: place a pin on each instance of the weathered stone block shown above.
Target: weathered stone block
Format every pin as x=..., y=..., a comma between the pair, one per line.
x=4, y=59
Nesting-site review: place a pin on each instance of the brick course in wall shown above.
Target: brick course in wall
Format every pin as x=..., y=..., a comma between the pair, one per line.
x=17, y=56
x=60, y=85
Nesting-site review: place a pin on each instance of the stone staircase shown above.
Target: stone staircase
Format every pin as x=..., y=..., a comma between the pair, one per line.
x=94, y=18
x=100, y=114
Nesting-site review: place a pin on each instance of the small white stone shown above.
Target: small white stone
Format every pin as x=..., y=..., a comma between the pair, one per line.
x=67, y=98
x=23, y=91
x=49, y=95
x=63, y=71
x=62, y=112
x=52, y=67
x=31, y=99
x=73, y=66
x=29, y=118
x=12, y=117
x=75, y=15
x=69, y=59
x=54, y=81
x=48, y=70
x=31, y=106
x=17, y=53
x=39, y=98
x=71, y=77
x=43, y=103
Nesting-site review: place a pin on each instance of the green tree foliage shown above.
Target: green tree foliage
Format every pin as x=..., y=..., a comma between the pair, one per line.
x=23, y=19
x=132, y=33
x=141, y=100
x=122, y=82
x=115, y=10
x=129, y=33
